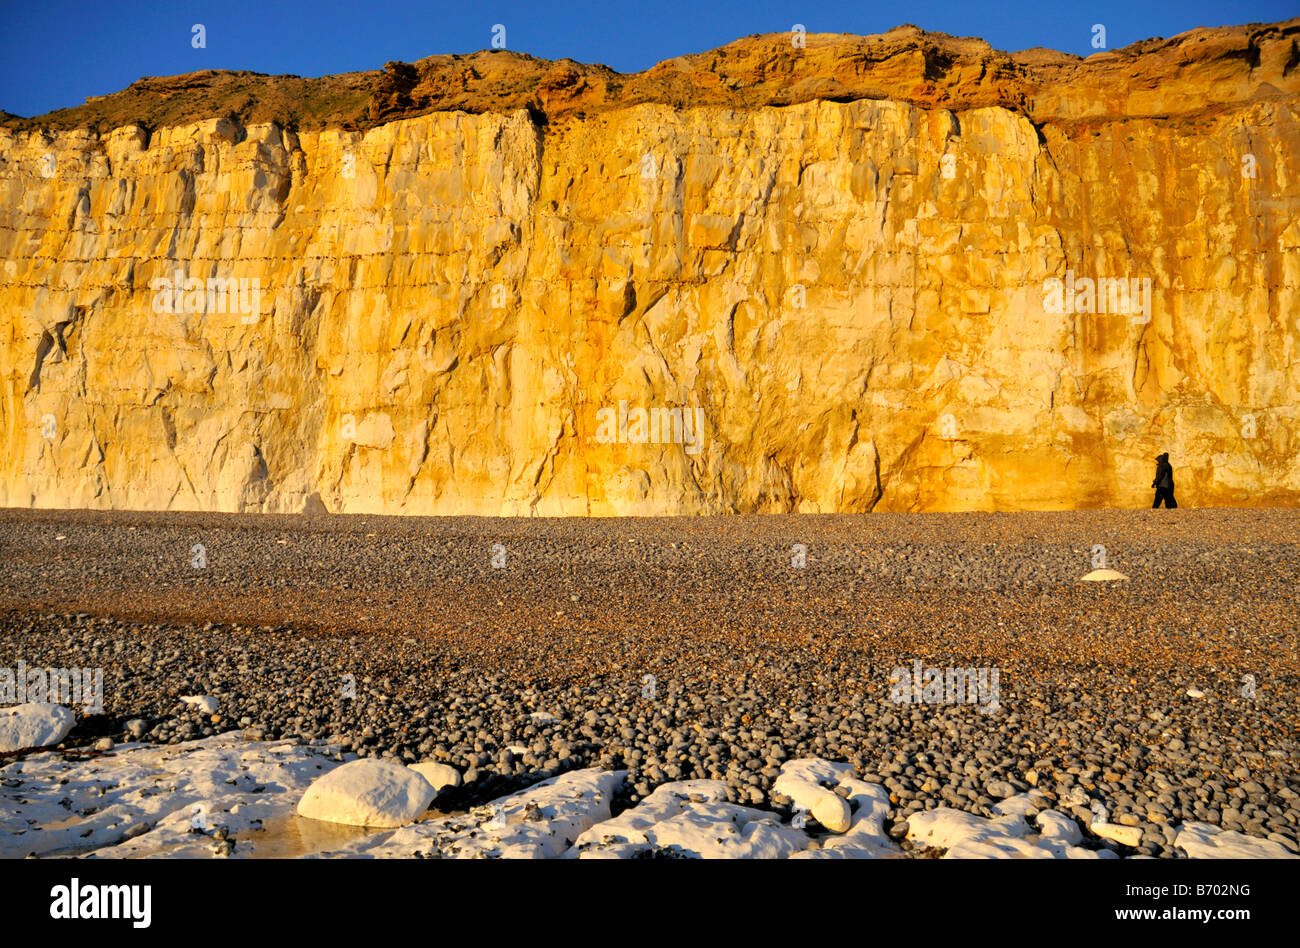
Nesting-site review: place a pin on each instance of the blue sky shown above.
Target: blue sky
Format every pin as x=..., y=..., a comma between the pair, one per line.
x=54, y=53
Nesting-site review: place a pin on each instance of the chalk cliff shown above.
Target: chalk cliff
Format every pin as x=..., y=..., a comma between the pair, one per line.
x=870, y=273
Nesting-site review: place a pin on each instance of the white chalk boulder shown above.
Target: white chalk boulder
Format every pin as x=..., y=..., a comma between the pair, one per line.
x=1205, y=841
x=368, y=793
x=205, y=703
x=827, y=807
x=1103, y=576
x=438, y=775
x=34, y=725
x=1124, y=835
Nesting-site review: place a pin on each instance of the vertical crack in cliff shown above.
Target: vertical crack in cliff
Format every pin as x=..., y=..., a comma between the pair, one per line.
x=1293, y=60
x=54, y=340
x=880, y=481
x=43, y=348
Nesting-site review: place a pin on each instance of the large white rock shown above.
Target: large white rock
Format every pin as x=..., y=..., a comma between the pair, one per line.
x=1103, y=576
x=827, y=807
x=1124, y=835
x=691, y=818
x=869, y=803
x=34, y=725
x=541, y=822
x=1206, y=841
x=205, y=703
x=438, y=775
x=368, y=793
x=52, y=804
x=967, y=836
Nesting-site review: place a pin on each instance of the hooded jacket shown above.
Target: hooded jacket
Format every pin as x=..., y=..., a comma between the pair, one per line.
x=1164, y=473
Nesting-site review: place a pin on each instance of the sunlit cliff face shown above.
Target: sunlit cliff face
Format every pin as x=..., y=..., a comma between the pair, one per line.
x=665, y=309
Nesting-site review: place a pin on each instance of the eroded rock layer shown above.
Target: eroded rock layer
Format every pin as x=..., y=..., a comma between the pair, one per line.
x=677, y=306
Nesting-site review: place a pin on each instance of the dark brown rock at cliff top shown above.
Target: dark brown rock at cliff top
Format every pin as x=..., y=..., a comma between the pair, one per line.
x=1187, y=72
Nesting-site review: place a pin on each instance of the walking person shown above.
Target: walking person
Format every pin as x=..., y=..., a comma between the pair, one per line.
x=1164, y=483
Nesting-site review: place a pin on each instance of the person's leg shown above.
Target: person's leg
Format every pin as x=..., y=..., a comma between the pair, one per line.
x=1156, y=503
x=1170, y=502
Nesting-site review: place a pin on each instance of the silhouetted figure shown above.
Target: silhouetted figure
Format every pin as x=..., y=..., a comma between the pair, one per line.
x=1164, y=483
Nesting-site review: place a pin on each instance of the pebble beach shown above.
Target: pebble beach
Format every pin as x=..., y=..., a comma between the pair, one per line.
x=740, y=666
